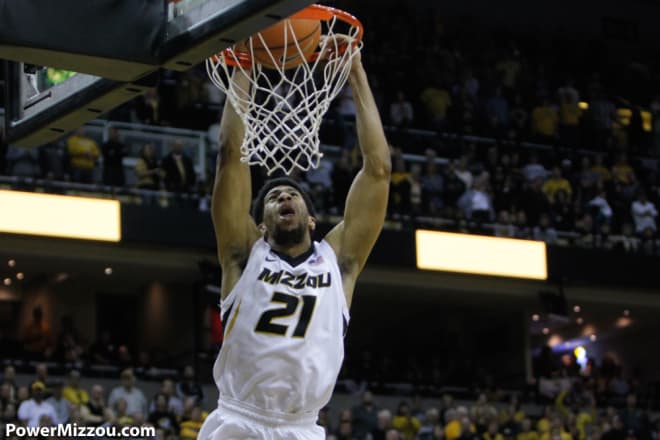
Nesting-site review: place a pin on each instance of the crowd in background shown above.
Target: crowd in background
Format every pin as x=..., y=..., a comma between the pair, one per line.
x=597, y=119
x=577, y=409
x=175, y=410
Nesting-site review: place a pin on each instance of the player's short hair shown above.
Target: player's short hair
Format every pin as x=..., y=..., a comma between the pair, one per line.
x=258, y=205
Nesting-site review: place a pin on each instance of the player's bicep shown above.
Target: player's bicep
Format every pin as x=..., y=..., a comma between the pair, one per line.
x=366, y=206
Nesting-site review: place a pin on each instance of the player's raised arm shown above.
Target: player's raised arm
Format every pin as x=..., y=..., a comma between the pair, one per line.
x=235, y=230
x=366, y=204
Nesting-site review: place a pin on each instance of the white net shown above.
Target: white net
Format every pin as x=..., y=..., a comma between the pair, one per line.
x=283, y=109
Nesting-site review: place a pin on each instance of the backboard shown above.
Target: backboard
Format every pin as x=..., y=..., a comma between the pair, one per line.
x=117, y=50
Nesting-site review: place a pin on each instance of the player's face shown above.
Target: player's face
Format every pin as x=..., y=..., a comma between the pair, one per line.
x=286, y=218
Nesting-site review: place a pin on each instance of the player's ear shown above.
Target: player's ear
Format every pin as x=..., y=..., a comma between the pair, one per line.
x=262, y=229
x=311, y=223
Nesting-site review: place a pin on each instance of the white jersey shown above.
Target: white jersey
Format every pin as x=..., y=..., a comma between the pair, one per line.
x=284, y=325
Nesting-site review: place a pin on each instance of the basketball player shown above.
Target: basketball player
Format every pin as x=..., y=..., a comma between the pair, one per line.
x=285, y=298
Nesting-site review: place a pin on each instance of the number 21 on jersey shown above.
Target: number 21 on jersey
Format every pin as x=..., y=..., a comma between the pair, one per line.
x=290, y=305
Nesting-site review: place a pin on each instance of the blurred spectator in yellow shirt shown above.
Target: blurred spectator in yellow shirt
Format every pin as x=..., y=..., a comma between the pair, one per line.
x=436, y=100
x=556, y=183
x=73, y=392
x=405, y=423
x=83, y=154
x=622, y=171
x=526, y=432
x=600, y=169
x=190, y=428
x=544, y=122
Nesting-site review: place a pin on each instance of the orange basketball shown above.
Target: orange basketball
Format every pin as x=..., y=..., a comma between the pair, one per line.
x=283, y=47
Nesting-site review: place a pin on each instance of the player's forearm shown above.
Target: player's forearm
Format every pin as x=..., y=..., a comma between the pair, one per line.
x=232, y=130
x=375, y=152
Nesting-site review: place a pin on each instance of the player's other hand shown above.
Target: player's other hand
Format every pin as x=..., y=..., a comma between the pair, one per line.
x=334, y=47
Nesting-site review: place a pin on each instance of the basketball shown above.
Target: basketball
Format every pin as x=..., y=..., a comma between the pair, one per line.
x=282, y=46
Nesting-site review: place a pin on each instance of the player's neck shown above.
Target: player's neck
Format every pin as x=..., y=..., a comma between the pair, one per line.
x=292, y=251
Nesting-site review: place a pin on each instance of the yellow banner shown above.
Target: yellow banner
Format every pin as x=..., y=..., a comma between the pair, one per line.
x=481, y=255
x=60, y=216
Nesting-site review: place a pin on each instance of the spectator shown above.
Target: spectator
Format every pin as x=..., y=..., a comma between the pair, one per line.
x=114, y=151
x=383, y=425
x=562, y=212
x=320, y=182
x=37, y=340
x=189, y=388
x=519, y=118
x=526, y=432
x=405, y=423
x=31, y=411
x=600, y=169
x=9, y=380
x=174, y=403
x=622, y=171
x=544, y=122
x=147, y=109
x=534, y=202
x=189, y=429
x=83, y=155
x=431, y=428
x=416, y=189
x=432, y=187
x=133, y=397
x=602, y=112
x=73, y=392
x=69, y=343
x=94, y=411
x=534, y=170
x=365, y=416
x=400, y=186
x=162, y=417
x=462, y=172
x=401, y=111
x=627, y=242
x=644, y=213
x=103, y=351
x=476, y=203
x=493, y=432
x=61, y=406
x=498, y=108
x=504, y=226
x=556, y=183
x=147, y=169
x=178, y=168
x=601, y=208
x=569, y=114
x=436, y=100
x=545, y=232
x=342, y=176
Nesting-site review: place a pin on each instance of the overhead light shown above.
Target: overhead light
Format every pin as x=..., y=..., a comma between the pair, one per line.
x=577, y=309
x=593, y=338
x=535, y=317
x=7, y=282
x=108, y=271
x=623, y=322
x=554, y=340
x=11, y=263
x=20, y=276
x=546, y=330
x=61, y=277
x=626, y=312
x=579, y=321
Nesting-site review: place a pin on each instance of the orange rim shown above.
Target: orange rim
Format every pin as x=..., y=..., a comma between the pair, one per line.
x=313, y=12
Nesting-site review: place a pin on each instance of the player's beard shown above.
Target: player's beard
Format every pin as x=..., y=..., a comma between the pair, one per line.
x=286, y=238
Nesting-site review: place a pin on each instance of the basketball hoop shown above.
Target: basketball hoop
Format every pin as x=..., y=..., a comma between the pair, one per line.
x=283, y=109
